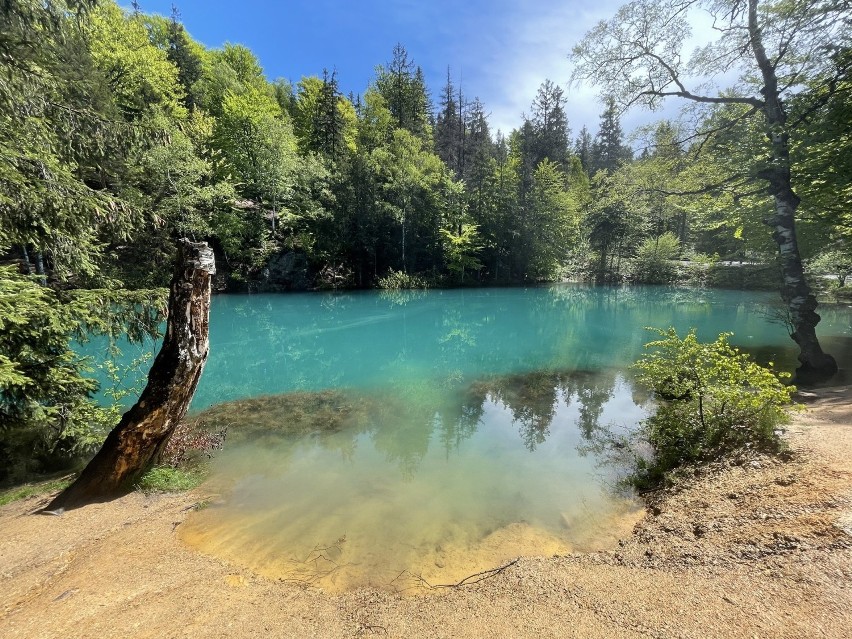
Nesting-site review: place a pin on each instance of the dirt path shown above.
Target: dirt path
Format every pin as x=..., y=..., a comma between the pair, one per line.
x=763, y=549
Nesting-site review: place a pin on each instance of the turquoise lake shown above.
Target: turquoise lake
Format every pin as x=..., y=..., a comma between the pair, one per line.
x=388, y=438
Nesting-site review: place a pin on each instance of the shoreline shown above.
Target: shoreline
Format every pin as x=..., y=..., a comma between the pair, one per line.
x=763, y=549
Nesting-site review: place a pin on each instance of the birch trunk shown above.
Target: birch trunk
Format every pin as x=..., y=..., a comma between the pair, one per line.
x=795, y=291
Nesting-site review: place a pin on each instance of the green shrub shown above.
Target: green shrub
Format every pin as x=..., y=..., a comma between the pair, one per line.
x=833, y=262
x=713, y=401
x=694, y=271
x=395, y=280
x=654, y=263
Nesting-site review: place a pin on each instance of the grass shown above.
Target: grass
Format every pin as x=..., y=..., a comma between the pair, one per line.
x=159, y=479
x=29, y=490
x=165, y=479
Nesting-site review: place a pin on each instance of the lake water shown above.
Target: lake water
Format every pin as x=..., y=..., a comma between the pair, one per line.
x=394, y=439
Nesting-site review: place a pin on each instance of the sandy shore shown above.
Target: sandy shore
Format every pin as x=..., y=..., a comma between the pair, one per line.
x=760, y=549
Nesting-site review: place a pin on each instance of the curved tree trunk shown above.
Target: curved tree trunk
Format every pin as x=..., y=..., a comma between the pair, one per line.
x=795, y=291
x=143, y=431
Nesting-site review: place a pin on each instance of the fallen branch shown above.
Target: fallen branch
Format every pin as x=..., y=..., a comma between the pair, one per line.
x=467, y=581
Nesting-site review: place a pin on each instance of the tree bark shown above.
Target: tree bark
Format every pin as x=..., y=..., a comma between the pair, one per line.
x=139, y=439
x=795, y=291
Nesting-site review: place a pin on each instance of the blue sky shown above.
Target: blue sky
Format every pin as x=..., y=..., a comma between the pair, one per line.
x=499, y=50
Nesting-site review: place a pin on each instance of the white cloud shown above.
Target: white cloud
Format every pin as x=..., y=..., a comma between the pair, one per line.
x=523, y=47
x=519, y=47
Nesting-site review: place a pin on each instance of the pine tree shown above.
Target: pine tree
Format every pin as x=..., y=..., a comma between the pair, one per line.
x=181, y=54
x=550, y=125
x=608, y=150
x=583, y=148
x=327, y=126
x=449, y=129
x=403, y=87
x=480, y=151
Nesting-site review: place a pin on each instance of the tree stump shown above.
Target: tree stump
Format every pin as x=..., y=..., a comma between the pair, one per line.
x=139, y=439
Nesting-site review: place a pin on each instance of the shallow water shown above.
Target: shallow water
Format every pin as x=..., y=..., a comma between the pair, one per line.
x=388, y=439
x=414, y=486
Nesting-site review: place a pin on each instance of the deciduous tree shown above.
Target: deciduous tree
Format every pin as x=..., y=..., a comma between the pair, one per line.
x=778, y=47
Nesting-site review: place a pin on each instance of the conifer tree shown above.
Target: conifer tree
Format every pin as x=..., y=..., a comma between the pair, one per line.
x=184, y=58
x=583, y=148
x=403, y=87
x=550, y=125
x=608, y=149
x=449, y=129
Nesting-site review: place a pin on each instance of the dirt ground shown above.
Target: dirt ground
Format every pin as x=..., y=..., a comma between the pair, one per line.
x=759, y=549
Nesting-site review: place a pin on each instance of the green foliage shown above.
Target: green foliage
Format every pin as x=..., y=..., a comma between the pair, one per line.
x=173, y=181
x=835, y=262
x=400, y=82
x=43, y=397
x=551, y=223
x=654, y=263
x=165, y=479
x=460, y=250
x=608, y=151
x=396, y=280
x=59, y=140
x=713, y=401
x=141, y=75
x=823, y=151
x=257, y=144
x=46, y=412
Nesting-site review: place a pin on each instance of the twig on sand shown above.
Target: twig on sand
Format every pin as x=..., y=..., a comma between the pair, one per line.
x=467, y=581
x=317, y=565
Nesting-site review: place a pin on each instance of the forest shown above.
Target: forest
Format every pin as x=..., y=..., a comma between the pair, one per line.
x=121, y=134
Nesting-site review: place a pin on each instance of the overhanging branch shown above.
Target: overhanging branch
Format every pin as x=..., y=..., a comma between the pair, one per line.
x=706, y=99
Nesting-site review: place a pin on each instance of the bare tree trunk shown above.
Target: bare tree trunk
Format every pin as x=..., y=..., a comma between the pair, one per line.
x=600, y=276
x=795, y=291
x=143, y=431
x=27, y=265
x=39, y=267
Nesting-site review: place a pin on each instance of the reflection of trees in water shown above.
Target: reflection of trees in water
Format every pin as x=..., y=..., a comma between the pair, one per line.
x=401, y=431
x=593, y=391
x=402, y=421
x=532, y=399
x=401, y=297
x=635, y=296
x=457, y=423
